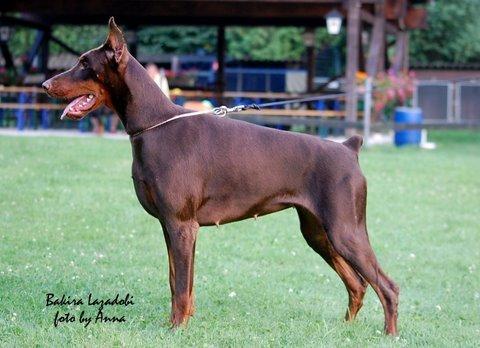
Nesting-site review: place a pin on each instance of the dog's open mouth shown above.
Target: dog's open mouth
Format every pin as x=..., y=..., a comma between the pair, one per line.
x=79, y=107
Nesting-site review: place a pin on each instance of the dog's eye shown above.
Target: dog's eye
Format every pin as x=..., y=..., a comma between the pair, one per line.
x=84, y=64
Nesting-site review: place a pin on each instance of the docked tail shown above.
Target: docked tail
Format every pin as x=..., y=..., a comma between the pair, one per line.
x=354, y=143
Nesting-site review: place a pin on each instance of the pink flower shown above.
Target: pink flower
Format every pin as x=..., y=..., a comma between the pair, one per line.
x=390, y=94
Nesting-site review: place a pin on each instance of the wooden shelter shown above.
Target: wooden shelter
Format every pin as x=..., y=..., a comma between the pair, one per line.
x=378, y=18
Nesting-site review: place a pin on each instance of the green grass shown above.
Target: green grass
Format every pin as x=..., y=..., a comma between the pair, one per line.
x=70, y=223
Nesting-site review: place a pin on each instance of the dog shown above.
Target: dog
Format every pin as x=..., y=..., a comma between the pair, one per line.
x=206, y=170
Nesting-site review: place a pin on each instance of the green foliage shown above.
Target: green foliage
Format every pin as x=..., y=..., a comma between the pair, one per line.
x=21, y=40
x=70, y=223
x=80, y=38
x=174, y=39
x=453, y=33
x=265, y=43
x=273, y=43
x=279, y=44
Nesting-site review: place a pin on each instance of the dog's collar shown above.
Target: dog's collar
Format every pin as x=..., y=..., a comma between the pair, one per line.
x=188, y=114
x=220, y=111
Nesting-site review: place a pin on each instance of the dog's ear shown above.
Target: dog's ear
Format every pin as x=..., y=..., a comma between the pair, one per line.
x=116, y=43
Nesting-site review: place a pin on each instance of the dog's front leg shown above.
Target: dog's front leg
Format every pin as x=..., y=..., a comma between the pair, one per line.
x=180, y=238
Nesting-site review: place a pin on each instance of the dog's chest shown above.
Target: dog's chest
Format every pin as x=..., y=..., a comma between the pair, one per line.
x=146, y=196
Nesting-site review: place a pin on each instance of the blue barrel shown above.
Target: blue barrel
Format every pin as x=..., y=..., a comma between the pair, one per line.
x=409, y=116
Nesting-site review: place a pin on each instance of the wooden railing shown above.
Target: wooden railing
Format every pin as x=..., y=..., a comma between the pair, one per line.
x=175, y=93
x=32, y=106
x=20, y=89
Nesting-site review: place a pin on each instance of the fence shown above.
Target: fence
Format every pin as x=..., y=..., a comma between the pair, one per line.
x=448, y=101
x=23, y=106
x=445, y=105
x=435, y=98
x=467, y=106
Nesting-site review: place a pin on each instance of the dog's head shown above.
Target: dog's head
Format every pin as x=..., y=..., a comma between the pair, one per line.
x=90, y=83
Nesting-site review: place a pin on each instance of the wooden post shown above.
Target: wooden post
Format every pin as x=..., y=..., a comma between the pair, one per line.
x=367, y=110
x=376, y=54
x=383, y=55
x=220, y=82
x=44, y=52
x=310, y=43
x=406, y=52
x=353, y=35
x=7, y=55
x=361, y=51
x=400, y=51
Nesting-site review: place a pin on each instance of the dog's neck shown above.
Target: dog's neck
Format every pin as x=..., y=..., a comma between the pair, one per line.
x=139, y=102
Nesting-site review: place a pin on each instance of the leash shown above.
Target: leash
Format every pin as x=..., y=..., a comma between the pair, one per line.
x=222, y=111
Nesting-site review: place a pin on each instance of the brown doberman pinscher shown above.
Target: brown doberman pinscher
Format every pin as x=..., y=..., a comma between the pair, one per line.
x=206, y=170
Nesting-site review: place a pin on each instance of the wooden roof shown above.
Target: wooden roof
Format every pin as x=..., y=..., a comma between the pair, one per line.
x=187, y=12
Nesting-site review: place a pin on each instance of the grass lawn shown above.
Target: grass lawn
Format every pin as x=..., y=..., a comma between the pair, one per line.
x=70, y=224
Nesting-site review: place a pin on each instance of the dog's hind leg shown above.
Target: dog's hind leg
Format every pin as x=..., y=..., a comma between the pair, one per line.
x=345, y=224
x=181, y=239
x=317, y=239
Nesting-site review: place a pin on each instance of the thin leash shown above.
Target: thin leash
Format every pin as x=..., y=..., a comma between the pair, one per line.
x=223, y=110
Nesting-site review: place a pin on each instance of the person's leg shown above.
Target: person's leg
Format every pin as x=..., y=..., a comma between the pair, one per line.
x=113, y=123
x=96, y=124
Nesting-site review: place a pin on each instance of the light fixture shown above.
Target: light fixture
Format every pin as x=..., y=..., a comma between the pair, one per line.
x=334, y=22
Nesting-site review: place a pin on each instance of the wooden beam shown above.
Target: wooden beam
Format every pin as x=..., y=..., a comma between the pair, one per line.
x=25, y=22
x=353, y=35
x=220, y=82
x=370, y=19
x=400, y=51
x=44, y=53
x=36, y=106
x=377, y=42
x=7, y=55
x=187, y=12
x=64, y=46
x=310, y=60
x=361, y=49
x=406, y=53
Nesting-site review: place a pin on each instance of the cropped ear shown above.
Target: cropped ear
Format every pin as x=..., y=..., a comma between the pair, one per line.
x=115, y=42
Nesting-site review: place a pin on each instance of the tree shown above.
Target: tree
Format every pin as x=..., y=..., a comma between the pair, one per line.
x=453, y=34
x=264, y=43
x=81, y=38
x=175, y=39
x=280, y=44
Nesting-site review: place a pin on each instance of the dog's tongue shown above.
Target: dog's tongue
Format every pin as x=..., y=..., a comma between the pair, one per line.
x=78, y=106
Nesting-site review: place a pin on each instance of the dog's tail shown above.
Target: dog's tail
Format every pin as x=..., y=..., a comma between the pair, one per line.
x=354, y=143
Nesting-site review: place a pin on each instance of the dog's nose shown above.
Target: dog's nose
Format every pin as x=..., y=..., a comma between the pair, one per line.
x=47, y=85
